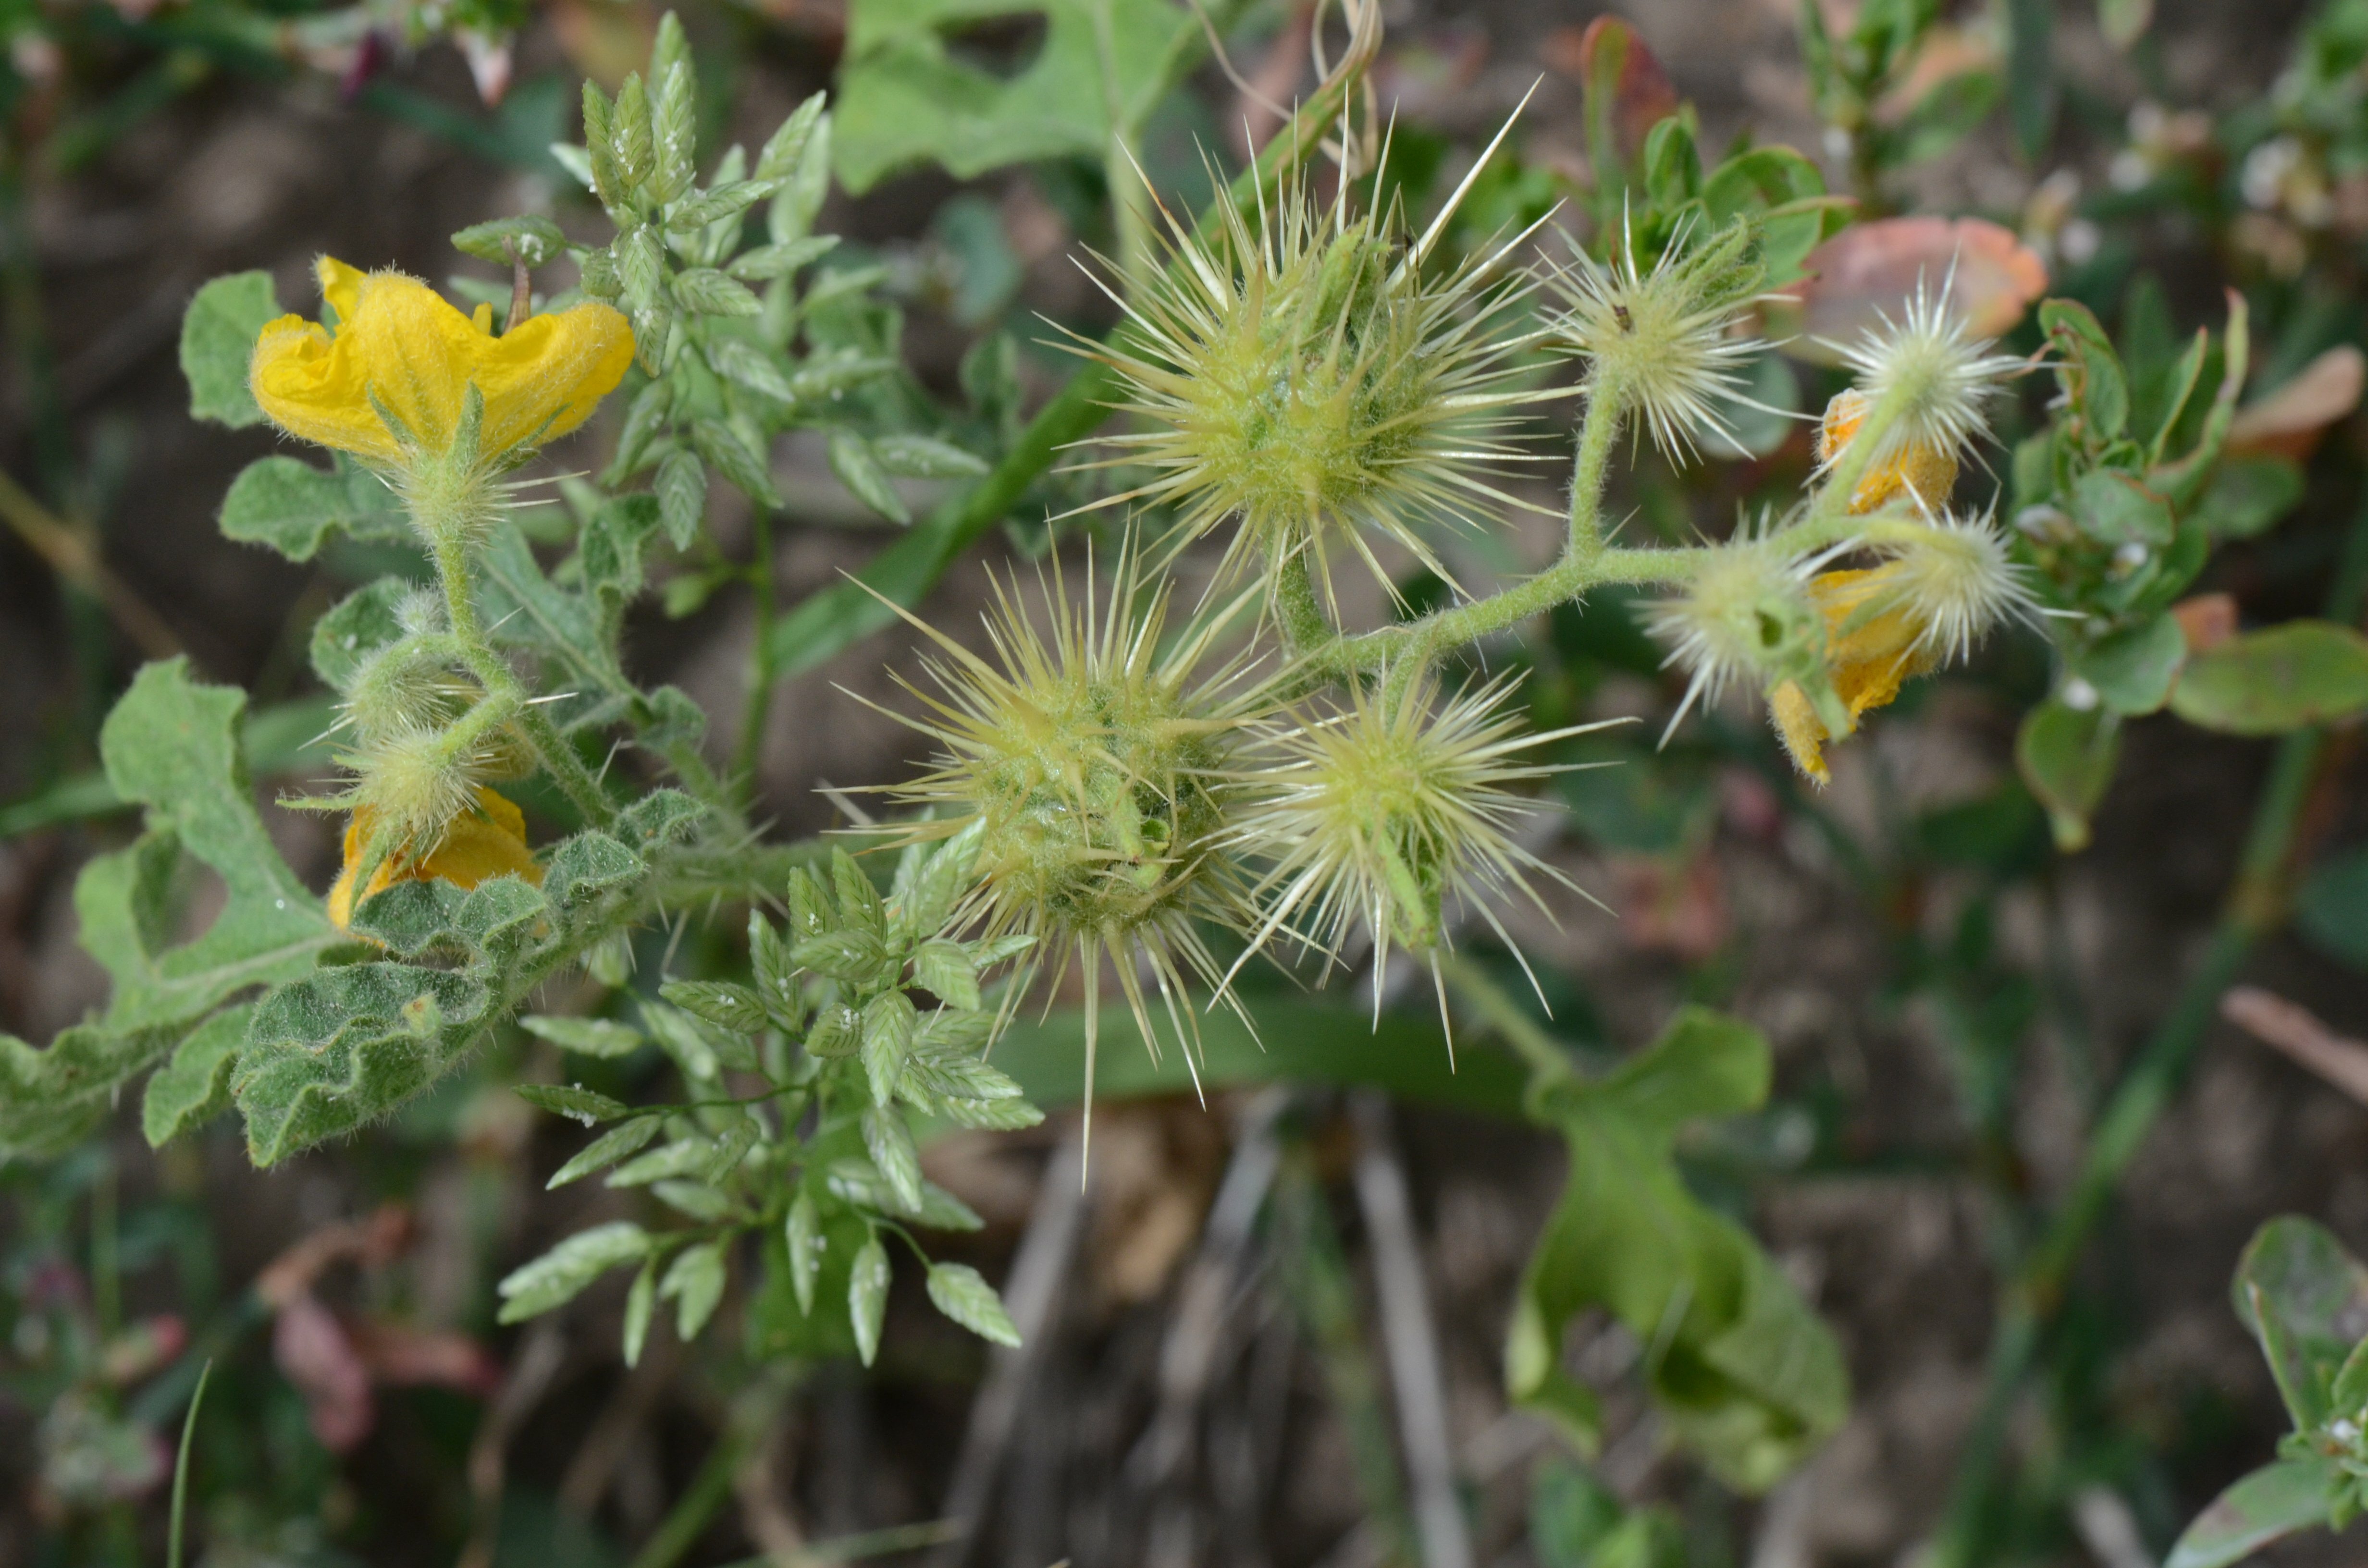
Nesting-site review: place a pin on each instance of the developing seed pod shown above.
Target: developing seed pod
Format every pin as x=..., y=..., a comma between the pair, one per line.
x=1925, y=474
x=1955, y=577
x=1379, y=813
x=1306, y=378
x=1749, y=617
x=1099, y=767
x=1942, y=587
x=1667, y=342
x=1933, y=382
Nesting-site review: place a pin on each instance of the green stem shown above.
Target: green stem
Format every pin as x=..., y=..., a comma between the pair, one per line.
x=1420, y=641
x=452, y=573
x=758, y=701
x=1842, y=476
x=1597, y=432
x=682, y=1529
x=1304, y=624
x=2254, y=906
x=1547, y=1061
x=556, y=753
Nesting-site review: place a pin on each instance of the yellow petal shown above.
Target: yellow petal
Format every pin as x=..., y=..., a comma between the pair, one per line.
x=1796, y=726
x=1927, y=474
x=1870, y=653
x=414, y=351
x=479, y=848
x=313, y=386
x=487, y=843
x=402, y=344
x=544, y=376
x=341, y=286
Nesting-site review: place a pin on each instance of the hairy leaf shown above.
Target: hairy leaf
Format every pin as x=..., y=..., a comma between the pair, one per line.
x=605, y=1150
x=291, y=506
x=343, y=1046
x=174, y=745
x=561, y=1274
x=1740, y=1368
x=904, y=97
x=218, y=334
x=573, y=1101
x=586, y=1037
x=963, y=1294
x=695, y=1284
x=867, y=1297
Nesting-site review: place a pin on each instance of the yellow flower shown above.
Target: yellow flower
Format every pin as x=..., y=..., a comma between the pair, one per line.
x=1926, y=472
x=478, y=845
x=1872, y=647
x=401, y=343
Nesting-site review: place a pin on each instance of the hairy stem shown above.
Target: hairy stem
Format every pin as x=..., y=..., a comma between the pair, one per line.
x=1597, y=431
x=1304, y=624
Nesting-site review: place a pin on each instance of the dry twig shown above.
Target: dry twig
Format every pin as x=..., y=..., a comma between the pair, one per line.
x=2296, y=1032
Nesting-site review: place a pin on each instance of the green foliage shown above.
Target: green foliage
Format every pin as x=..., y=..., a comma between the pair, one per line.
x=340, y=1048
x=2113, y=527
x=217, y=340
x=2331, y=907
x=906, y=97
x=171, y=744
x=2305, y=1301
x=1856, y=76
x=811, y=1194
x=1577, y=1522
x=290, y=506
x=2066, y=756
x=2264, y=683
x=1736, y=1362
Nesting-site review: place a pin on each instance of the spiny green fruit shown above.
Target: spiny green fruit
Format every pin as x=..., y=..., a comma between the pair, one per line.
x=1098, y=767
x=1310, y=379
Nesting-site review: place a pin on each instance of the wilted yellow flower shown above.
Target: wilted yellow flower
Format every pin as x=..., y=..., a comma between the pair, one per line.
x=401, y=351
x=1874, y=648
x=477, y=847
x=1925, y=471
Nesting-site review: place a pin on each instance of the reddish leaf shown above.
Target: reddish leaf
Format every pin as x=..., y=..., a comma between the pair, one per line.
x=396, y=1354
x=1625, y=84
x=1870, y=270
x=2289, y=422
x=1672, y=906
x=313, y=1352
x=373, y=1242
x=2206, y=620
